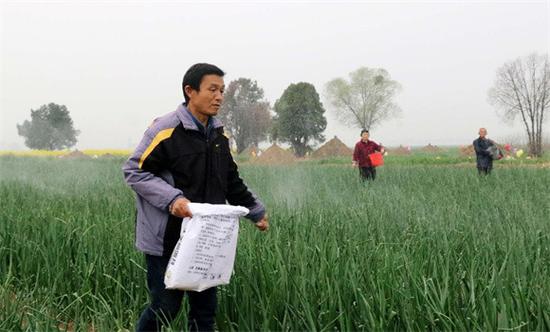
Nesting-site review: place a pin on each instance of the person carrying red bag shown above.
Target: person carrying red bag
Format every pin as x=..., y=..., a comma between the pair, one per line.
x=363, y=149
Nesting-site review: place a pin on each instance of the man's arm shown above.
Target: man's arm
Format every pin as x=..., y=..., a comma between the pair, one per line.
x=238, y=194
x=142, y=168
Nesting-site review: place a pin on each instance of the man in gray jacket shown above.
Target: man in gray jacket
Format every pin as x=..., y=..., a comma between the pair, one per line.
x=183, y=157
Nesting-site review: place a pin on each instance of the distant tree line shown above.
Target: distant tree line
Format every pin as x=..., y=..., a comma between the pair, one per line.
x=298, y=116
x=521, y=89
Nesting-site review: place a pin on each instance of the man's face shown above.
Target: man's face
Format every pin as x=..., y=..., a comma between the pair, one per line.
x=365, y=136
x=482, y=132
x=208, y=99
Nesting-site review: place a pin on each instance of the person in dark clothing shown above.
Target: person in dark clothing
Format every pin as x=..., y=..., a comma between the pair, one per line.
x=183, y=157
x=361, y=153
x=483, y=156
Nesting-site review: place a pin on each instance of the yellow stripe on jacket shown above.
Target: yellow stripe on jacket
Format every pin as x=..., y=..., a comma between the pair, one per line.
x=161, y=136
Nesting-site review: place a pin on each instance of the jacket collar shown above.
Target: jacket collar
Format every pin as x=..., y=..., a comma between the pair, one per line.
x=187, y=121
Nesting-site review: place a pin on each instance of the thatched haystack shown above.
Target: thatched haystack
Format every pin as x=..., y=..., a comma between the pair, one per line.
x=431, y=148
x=333, y=148
x=275, y=155
x=467, y=150
x=399, y=151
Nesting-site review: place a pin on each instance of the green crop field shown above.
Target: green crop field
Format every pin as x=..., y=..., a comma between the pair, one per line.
x=424, y=247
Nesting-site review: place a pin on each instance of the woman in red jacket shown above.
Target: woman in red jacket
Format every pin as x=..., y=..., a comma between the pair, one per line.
x=361, y=153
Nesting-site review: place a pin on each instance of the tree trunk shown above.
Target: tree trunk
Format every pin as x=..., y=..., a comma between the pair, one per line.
x=299, y=149
x=240, y=144
x=538, y=143
x=535, y=142
x=534, y=147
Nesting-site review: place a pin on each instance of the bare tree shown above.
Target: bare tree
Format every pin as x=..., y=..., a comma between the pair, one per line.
x=522, y=87
x=366, y=100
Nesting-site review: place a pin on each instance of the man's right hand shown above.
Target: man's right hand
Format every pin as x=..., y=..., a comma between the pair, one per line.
x=179, y=208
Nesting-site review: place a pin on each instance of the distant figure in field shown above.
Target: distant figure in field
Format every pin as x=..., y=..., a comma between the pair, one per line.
x=361, y=153
x=484, y=159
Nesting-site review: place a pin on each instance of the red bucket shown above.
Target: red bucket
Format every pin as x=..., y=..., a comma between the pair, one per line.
x=376, y=159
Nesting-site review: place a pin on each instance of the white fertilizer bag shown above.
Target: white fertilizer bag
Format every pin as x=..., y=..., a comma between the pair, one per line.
x=205, y=252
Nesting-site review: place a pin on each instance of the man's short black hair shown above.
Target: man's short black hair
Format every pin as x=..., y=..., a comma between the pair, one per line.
x=364, y=131
x=194, y=75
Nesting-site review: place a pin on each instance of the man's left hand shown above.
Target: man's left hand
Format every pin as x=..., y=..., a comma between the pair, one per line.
x=263, y=224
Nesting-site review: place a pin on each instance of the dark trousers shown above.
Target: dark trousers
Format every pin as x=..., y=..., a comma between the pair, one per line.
x=166, y=303
x=484, y=170
x=367, y=173
x=484, y=165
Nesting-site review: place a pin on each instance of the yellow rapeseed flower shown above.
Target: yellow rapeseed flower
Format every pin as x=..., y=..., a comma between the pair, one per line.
x=59, y=153
x=519, y=153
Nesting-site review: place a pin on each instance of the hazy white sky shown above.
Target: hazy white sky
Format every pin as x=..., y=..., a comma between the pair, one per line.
x=117, y=65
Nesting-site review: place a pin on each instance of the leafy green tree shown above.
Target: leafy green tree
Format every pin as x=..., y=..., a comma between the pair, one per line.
x=366, y=100
x=50, y=128
x=299, y=118
x=245, y=114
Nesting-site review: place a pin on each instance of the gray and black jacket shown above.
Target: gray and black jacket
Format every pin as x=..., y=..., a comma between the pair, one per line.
x=175, y=159
x=483, y=156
